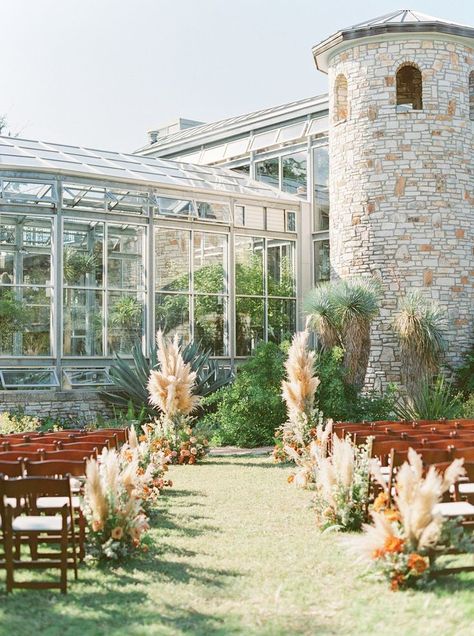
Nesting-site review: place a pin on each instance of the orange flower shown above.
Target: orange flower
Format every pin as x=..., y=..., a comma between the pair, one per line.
x=290, y=479
x=97, y=525
x=192, y=459
x=117, y=533
x=380, y=501
x=393, y=544
x=142, y=438
x=417, y=562
x=396, y=582
x=391, y=514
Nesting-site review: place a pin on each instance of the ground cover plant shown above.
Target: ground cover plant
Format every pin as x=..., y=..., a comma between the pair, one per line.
x=217, y=566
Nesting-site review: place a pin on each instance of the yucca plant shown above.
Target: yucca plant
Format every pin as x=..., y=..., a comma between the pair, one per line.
x=433, y=401
x=357, y=304
x=341, y=313
x=420, y=327
x=130, y=377
x=322, y=318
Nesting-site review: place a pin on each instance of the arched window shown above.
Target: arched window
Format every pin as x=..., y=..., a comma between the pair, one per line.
x=340, y=99
x=471, y=95
x=410, y=86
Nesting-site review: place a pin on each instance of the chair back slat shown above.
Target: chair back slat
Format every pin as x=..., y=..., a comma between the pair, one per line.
x=11, y=469
x=54, y=468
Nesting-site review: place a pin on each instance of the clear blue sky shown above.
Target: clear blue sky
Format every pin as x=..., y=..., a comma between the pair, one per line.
x=101, y=72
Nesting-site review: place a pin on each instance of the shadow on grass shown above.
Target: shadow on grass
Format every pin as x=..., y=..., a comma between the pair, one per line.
x=253, y=464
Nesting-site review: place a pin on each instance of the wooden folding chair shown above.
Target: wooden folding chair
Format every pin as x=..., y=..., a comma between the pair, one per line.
x=61, y=468
x=34, y=526
x=13, y=456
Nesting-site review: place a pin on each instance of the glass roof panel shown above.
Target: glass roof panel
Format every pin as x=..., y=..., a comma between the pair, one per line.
x=23, y=153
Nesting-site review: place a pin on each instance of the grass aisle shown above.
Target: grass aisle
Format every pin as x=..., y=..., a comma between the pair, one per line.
x=237, y=553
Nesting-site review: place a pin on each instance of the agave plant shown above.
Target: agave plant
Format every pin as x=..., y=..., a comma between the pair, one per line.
x=341, y=313
x=130, y=377
x=433, y=401
x=420, y=327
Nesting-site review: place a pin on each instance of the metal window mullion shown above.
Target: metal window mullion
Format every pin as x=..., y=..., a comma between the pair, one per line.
x=150, y=283
x=265, y=290
x=191, y=284
x=57, y=288
x=105, y=290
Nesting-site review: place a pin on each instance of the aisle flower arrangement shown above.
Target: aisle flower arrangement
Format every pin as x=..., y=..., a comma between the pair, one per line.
x=151, y=465
x=298, y=392
x=113, y=508
x=403, y=539
x=171, y=390
x=342, y=486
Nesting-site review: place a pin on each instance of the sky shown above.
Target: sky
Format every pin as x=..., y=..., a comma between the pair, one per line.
x=100, y=73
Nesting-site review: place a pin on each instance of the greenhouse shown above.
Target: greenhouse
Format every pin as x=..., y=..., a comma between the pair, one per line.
x=100, y=249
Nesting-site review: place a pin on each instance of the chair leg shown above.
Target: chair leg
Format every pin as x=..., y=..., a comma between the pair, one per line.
x=64, y=546
x=9, y=560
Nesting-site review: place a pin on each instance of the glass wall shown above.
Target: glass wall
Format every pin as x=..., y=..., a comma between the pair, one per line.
x=321, y=188
x=26, y=289
x=77, y=280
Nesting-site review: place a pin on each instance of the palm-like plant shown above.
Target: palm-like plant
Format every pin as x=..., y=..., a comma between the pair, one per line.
x=341, y=313
x=432, y=401
x=357, y=304
x=420, y=327
x=320, y=308
x=130, y=378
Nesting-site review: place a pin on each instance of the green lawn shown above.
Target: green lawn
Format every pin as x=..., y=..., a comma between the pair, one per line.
x=237, y=552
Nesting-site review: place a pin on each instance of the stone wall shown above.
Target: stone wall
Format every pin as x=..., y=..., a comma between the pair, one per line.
x=401, y=185
x=78, y=406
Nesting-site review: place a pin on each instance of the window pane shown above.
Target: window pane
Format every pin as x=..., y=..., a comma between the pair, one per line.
x=174, y=207
x=294, y=169
x=38, y=378
x=82, y=322
x=172, y=315
x=36, y=269
x=248, y=254
x=209, y=262
x=210, y=323
x=125, y=321
x=83, y=254
x=213, y=211
x=243, y=169
x=25, y=321
x=171, y=260
x=322, y=264
x=249, y=324
x=268, y=171
x=321, y=190
x=281, y=319
x=125, y=256
x=281, y=268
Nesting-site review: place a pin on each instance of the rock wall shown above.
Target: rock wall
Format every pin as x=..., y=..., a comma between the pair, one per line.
x=401, y=185
x=79, y=407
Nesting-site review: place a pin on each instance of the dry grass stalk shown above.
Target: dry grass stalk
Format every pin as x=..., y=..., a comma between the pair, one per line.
x=171, y=387
x=300, y=388
x=94, y=492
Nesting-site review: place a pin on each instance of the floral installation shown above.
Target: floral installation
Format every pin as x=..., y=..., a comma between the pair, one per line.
x=342, y=485
x=298, y=392
x=306, y=459
x=112, y=508
x=171, y=390
x=404, y=539
x=151, y=465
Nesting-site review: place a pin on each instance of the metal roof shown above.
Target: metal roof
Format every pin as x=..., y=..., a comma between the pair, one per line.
x=401, y=21
x=239, y=125
x=38, y=156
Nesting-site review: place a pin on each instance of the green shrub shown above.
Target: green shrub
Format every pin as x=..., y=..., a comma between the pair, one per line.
x=468, y=408
x=464, y=375
x=434, y=401
x=340, y=401
x=248, y=412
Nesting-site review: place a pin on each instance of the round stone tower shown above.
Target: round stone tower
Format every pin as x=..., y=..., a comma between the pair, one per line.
x=401, y=107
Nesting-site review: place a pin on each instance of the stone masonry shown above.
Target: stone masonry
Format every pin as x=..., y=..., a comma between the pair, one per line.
x=81, y=407
x=401, y=184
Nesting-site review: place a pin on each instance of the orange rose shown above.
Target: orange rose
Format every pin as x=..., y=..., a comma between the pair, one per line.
x=417, y=562
x=192, y=459
x=117, y=533
x=393, y=544
x=396, y=582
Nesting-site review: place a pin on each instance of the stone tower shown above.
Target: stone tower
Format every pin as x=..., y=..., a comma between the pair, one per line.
x=401, y=113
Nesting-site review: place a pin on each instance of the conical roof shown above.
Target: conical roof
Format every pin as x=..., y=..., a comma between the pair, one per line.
x=401, y=21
